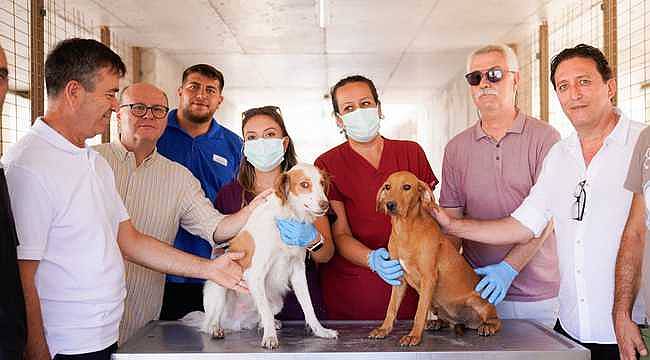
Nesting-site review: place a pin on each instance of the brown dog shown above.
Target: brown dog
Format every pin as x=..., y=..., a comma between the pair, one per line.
x=431, y=263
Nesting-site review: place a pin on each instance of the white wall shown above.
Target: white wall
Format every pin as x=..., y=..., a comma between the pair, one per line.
x=161, y=70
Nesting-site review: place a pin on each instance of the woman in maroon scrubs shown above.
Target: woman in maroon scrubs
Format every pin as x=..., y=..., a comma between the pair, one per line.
x=356, y=282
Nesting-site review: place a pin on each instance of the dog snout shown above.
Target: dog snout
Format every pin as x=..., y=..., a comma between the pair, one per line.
x=391, y=206
x=324, y=205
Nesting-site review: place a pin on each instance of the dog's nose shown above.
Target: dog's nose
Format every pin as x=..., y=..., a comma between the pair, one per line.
x=324, y=204
x=391, y=206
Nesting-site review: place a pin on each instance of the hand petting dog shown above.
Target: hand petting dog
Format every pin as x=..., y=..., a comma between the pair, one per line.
x=227, y=273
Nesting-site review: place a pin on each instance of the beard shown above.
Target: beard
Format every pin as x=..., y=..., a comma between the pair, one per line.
x=197, y=119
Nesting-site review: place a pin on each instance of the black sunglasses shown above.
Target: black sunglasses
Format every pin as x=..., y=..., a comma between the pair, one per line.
x=580, y=195
x=493, y=75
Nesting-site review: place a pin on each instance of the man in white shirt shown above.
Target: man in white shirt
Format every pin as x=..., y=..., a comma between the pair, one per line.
x=581, y=188
x=71, y=223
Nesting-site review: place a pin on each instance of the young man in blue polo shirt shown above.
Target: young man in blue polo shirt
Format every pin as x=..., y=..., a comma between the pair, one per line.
x=212, y=153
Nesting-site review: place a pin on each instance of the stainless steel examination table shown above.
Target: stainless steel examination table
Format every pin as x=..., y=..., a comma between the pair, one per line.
x=518, y=339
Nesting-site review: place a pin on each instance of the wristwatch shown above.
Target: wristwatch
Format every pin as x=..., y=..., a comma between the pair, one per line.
x=316, y=246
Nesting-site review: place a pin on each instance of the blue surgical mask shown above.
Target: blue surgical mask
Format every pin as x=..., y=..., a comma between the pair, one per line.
x=361, y=125
x=264, y=154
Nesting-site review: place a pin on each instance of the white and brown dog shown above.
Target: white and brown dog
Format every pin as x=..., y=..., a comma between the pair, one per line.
x=270, y=265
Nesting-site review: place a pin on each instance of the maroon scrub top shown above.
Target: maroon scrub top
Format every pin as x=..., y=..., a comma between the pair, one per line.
x=353, y=292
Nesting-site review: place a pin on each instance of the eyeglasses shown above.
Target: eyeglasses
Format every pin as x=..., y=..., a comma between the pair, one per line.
x=493, y=75
x=139, y=109
x=260, y=111
x=581, y=200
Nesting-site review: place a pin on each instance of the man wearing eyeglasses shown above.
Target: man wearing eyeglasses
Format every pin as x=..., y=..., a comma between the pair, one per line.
x=159, y=195
x=196, y=140
x=580, y=186
x=487, y=171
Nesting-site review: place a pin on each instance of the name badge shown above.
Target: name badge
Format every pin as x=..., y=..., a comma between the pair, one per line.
x=219, y=159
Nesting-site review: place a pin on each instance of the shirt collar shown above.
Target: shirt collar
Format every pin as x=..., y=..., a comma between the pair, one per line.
x=45, y=131
x=215, y=131
x=516, y=128
x=620, y=135
x=122, y=153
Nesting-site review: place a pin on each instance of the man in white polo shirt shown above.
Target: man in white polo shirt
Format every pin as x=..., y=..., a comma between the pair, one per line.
x=71, y=223
x=581, y=188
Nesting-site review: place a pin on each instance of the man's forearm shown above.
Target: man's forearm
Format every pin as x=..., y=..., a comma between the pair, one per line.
x=521, y=254
x=36, y=347
x=230, y=225
x=630, y=258
x=157, y=255
x=494, y=232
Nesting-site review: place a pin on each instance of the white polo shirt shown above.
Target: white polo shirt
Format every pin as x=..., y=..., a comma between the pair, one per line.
x=587, y=249
x=67, y=213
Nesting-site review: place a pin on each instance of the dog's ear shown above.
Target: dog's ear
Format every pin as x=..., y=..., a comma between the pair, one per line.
x=282, y=187
x=426, y=196
x=326, y=181
x=380, y=200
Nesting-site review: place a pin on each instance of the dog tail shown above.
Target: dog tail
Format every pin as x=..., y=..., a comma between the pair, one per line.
x=194, y=319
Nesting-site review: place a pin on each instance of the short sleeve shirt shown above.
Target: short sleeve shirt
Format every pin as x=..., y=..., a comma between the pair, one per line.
x=353, y=292
x=638, y=175
x=67, y=213
x=489, y=180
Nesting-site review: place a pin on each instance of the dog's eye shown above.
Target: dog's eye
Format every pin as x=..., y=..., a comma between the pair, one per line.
x=387, y=187
x=406, y=187
x=305, y=185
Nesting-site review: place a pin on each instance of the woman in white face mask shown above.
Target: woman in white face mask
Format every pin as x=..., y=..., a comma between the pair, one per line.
x=269, y=151
x=357, y=281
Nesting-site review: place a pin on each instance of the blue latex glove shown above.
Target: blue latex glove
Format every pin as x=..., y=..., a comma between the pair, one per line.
x=389, y=270
x=496, y=281
x=296, y=233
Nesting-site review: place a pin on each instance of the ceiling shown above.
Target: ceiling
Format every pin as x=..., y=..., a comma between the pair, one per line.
x=275, y=49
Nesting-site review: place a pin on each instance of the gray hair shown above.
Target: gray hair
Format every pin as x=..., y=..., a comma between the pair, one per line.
x=505, y=50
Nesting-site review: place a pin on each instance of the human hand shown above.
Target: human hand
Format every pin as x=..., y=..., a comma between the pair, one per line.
x=441, y=216
x=296, y=233
x=496, y=281
x=389, y=270
x=228, y=273
x=628, y=338
x=258, y=200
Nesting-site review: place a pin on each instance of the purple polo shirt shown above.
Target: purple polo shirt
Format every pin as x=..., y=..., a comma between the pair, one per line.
x=489, y=180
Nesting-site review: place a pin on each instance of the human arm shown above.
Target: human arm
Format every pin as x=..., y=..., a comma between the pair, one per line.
x=159, y=256
x=304, y=234
x=627, y=280
x=231, y=224
x=36, y=347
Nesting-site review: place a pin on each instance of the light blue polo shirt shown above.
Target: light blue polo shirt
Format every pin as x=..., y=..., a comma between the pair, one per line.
x=213, y=158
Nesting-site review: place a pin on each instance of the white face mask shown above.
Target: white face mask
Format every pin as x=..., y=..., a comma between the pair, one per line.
x=361, y=125
x=264, y=154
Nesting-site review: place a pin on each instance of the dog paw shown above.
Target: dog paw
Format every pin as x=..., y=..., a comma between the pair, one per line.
x=487, y=329
x=410, y=340
x=270, y=342
x=435, y=325
x=379, y=333
x=216, y=332
x=326, y=333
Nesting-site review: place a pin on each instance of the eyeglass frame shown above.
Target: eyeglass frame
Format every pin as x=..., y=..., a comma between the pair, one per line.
x=581, y=201
x=486, y=75
x=260, y=111
x=148, y=108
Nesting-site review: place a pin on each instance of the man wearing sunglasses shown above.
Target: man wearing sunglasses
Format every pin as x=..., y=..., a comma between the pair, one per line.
x=580, y=186
x=194, y=139
x=487, y=171
x=160, y=196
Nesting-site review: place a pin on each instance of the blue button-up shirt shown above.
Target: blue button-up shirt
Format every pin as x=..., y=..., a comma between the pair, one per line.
x=213, y=158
